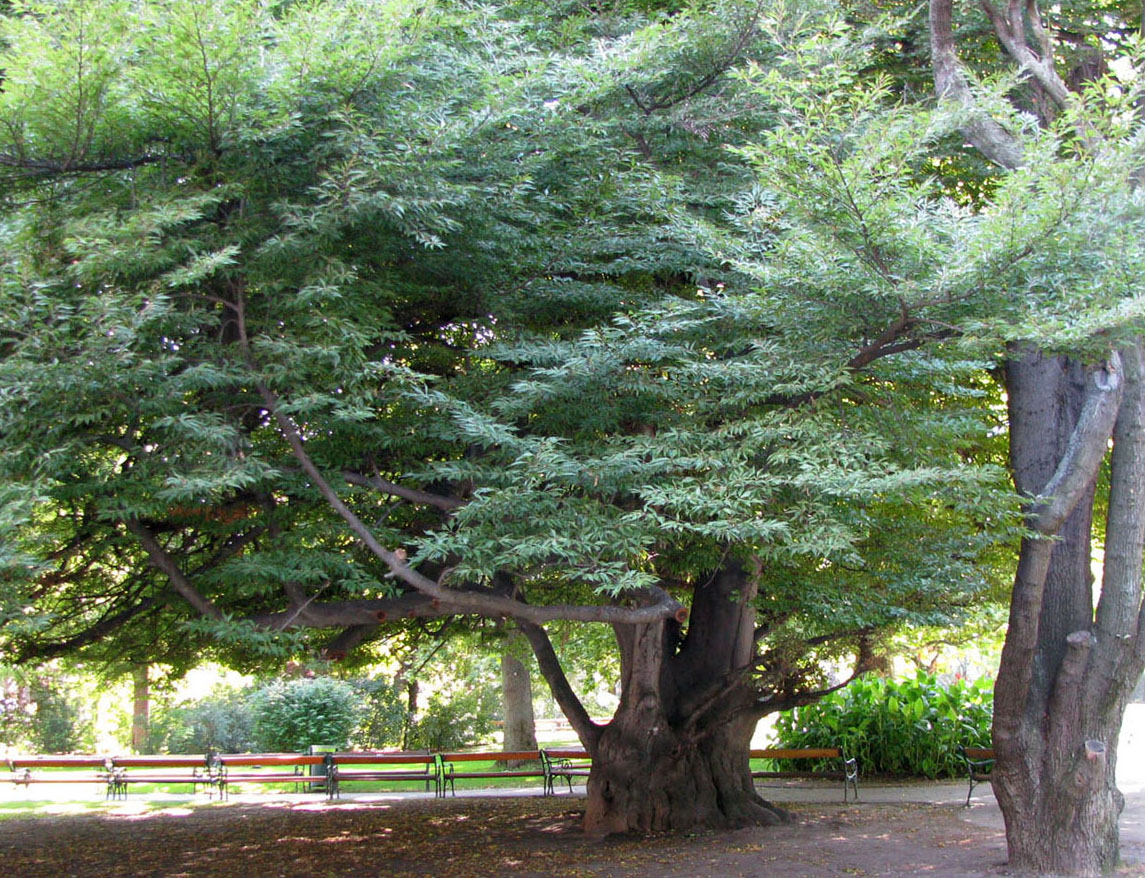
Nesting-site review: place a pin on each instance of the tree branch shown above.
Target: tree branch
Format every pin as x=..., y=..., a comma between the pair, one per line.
x=1085, y=451
x=983, y=131
x=166, y=564
x=1068, y=692
x=101, y=628
x=413, y=495
x=662, y=606
x=31, y=168
x=574, y=711
x=349, y=640
x=354, y=612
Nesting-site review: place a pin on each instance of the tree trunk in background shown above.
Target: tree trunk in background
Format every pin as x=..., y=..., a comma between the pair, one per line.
x=411, y=712
x=1064, y=678
x=517, y=699
x=141, y=709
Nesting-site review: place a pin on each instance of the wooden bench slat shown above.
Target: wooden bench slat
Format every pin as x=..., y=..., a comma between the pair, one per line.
x=849, y=773
x=57, y=761
x=791, y=753
x=336, y=774
x=503, y=756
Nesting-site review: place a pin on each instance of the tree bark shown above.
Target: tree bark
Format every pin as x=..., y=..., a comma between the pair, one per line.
x=141, y=709
x=1065, y=677
x=675, y=756
x=517, y=699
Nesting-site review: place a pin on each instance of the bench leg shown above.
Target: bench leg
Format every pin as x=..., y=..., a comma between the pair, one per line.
x=852, y=782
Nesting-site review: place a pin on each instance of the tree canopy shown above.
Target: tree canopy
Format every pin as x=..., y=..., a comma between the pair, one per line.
x=468, y=273
x=326, y=316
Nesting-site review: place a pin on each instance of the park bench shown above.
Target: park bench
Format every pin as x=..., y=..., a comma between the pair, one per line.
x=39, y=769
x=381, y=768
x=564, y=764
x=979, y=765
x=451, y=766
x=250, y=768
x=848, y=771
x=162, y=769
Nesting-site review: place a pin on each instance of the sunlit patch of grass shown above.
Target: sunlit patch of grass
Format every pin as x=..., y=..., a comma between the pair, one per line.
x=44, y=808
x=116, y=809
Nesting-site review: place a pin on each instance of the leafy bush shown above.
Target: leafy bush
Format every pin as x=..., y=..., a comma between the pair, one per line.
x=909, y=728
x=383, y=714
x=223, y=722
x=292, y=715
x=464, y=719
x=39, y=712
x=61, y=723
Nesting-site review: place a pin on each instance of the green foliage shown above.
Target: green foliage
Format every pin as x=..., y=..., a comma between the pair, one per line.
x=293, y=714
x=530, y=258
x=222, y=722
x=62, y=723
x=383, y=714
x=458, y=719
x=43, y=711
x=911, y=728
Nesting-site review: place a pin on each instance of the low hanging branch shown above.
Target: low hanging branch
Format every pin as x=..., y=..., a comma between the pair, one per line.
x=165, y=563
x=661, y=606
x=587, y=731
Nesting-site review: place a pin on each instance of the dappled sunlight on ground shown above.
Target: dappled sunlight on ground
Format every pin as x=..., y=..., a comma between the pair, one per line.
x=527, y=837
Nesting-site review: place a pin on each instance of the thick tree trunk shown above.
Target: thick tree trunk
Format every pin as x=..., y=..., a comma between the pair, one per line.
x=648, y=776
x=675, y=755
x=520, y=731
x=1064, y=678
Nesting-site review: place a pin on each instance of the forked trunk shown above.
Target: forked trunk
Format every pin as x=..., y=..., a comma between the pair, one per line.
x=675, y=755
x=650, y=778
x=1064, y=680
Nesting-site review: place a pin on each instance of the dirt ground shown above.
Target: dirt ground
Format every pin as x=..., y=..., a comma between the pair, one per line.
x=528, y=836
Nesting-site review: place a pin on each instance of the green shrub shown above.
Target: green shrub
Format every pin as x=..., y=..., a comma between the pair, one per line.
x=464, y=719
x=222, y=722
x=291, y=715
x=382, y=714
x=61, y=723
x=910, y=728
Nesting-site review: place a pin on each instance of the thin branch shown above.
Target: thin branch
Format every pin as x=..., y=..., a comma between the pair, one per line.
x=52, y=167
x=96, y=632
x=413, y=495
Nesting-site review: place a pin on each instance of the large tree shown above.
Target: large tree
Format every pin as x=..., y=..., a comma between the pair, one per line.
x=1075, y=400
x=331, y=315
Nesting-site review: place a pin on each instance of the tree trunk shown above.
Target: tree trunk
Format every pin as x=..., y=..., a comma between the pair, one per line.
x=649, y=776
x=1064, y=680
x=520, y=731
x=675, y=757
x=141, y=709
x=411, y=712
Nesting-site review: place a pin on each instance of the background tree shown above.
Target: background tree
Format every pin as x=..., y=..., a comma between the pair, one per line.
x=518, y=721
